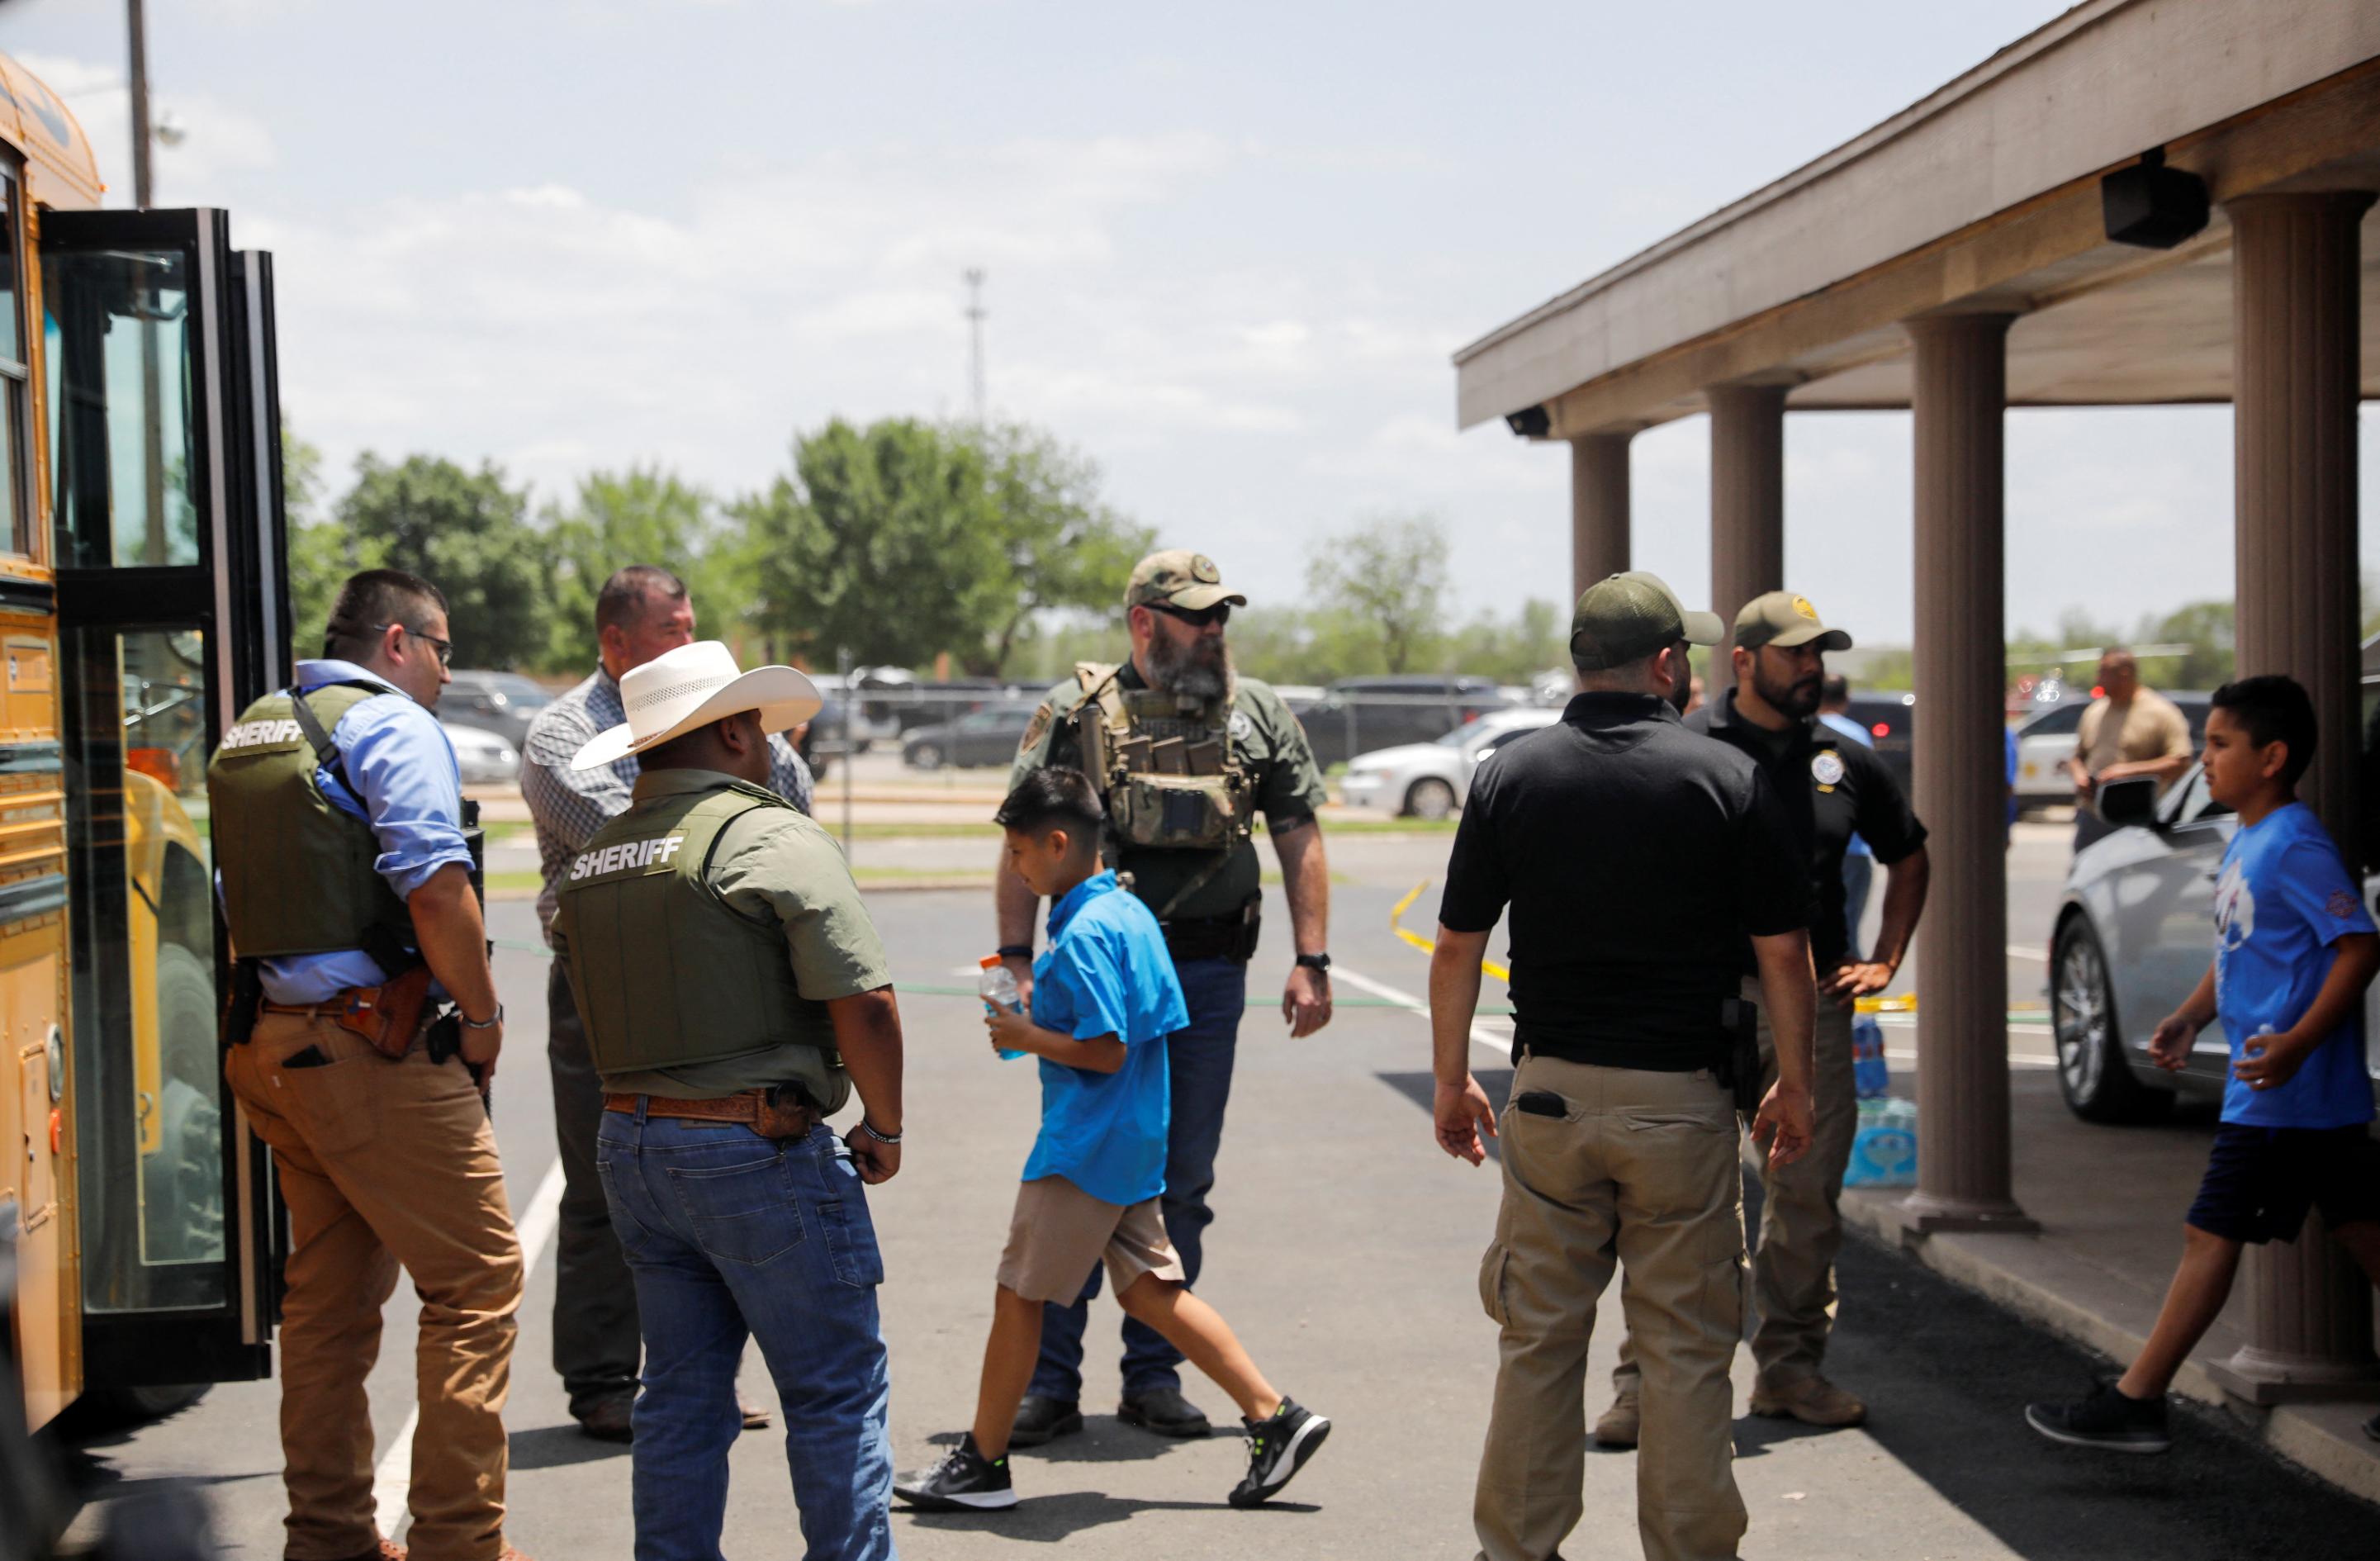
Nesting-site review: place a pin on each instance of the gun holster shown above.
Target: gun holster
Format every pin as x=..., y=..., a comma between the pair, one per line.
x=1739, y=1017
x=391, y=1016
x=242, y=1002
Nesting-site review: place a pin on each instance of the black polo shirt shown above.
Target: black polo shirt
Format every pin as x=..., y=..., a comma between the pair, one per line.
x=1831, y=789
x=1635, y=858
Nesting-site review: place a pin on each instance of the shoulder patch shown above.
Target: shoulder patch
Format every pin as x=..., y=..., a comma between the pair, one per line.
x=1036, y=729
x=1242, y=727
x=2341, y=906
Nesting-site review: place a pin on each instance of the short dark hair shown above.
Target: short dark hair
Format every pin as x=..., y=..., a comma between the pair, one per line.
x=623, y=596
x=372, y=600
x=1056, y=798
x=1836, y=689
x=2274, y=709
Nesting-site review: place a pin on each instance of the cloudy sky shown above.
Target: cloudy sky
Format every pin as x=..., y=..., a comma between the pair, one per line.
x=1230, y=249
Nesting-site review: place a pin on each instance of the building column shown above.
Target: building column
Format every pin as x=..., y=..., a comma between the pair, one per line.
x=1747, y=430
x=1598, y=508
x=1958, y=395
x=2295, y=348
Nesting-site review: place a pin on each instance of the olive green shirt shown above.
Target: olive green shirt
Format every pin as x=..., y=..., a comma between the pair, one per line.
x=1287, y=787
x=773, y=864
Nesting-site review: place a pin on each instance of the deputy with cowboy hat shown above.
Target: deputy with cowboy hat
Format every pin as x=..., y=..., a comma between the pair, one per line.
x=736, y=994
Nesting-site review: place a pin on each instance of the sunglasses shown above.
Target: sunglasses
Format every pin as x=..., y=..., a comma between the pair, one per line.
x=1218, y=614
x=444, y=648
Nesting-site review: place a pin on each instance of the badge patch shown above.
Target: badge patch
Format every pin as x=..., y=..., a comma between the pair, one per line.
x=1801, y=605
x=1242, y=727
x=1827, y=767
x=1035, y=730
x=1203, y=570
x=2341, y=906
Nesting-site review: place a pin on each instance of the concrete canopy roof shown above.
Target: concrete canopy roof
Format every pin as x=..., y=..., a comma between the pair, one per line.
x=1985, y=195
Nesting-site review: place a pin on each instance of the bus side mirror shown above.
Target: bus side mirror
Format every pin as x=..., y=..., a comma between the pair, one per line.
x=2131, y=801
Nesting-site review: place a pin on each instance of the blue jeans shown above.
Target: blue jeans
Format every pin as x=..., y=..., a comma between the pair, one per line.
x=1199, y=1064
x=730, y=1236
x=1859, y=872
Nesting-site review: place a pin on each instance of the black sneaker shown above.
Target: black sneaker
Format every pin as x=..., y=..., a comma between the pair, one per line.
x=1040, y=1420
x=2106, y=1419
x=1278, y=1448
x=964, y=1481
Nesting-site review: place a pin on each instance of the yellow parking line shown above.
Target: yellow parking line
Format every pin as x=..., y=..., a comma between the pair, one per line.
x=1429, y=945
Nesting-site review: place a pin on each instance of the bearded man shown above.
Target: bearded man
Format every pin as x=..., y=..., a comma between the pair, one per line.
x=1832, y=789
x=1185, y=752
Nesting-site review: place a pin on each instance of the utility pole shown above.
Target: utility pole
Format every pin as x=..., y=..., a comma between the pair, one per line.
x=976, y=315
x=136, y=24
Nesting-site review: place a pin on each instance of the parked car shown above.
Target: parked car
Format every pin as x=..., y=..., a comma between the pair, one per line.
x=502, y=702
x=1890, y=719
x=484, y=758
x=982, y=737
x=1430, y=780
x=826, y=729
x=2046, y=741
x=2133, y=935
x=1360, y=714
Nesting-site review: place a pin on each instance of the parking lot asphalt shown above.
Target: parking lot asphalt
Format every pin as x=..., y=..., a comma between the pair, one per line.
x=1346, y=1252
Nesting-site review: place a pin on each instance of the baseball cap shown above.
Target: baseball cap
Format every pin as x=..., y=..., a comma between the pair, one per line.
x=1786, y=621
x=1179, y=578
x=1627, y=618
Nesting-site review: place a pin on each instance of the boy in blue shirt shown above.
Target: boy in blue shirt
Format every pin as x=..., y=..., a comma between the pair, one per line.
x=1105, y=997
x=2294, y=949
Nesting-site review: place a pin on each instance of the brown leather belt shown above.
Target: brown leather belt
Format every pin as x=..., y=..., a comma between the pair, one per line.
x=782, y=1119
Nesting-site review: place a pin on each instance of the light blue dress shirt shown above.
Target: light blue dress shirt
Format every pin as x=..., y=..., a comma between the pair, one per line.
x=402, y=763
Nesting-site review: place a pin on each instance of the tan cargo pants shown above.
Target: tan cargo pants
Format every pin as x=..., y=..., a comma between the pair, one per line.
x=1639, y=1171
x=385, y=1164
x=1800, y=1218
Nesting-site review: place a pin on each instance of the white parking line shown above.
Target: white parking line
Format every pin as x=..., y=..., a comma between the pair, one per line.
x=2020, y=951
x=1500, y=1046
x=393, y=1481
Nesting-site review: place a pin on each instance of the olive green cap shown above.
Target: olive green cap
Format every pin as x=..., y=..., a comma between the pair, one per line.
x=1786, y=621
x=1627, y=618
x=1178, y=577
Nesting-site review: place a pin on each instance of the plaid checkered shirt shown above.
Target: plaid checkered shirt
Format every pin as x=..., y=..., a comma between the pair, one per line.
x=568, y=806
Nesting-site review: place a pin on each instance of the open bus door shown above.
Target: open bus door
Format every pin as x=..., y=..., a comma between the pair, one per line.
x=172, y=615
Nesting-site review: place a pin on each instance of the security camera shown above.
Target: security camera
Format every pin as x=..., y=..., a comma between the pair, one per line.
x=1529, y=422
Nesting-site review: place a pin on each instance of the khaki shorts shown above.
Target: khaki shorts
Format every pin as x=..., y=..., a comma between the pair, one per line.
x=1061, y=1233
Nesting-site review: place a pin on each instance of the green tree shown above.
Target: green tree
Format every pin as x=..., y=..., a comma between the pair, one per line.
x=1387, y=579
x=2208, y=629
x=1064, y=547
x=884, y=542
x=322, y=553
x=470, y=536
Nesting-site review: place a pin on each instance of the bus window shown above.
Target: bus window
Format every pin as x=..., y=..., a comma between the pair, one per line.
x=120, y=419
x=16, y=511
x=151, y=1117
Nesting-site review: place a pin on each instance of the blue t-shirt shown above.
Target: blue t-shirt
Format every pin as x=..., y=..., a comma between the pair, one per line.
x=1106, y=973
x=2282, y=899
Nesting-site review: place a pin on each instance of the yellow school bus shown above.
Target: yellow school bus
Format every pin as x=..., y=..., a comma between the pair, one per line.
x=143, y=602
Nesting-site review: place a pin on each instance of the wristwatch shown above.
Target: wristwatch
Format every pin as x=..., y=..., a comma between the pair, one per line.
x=1316, y=962
x=489, y=1023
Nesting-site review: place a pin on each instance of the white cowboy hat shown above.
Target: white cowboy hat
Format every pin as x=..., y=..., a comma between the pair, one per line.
x=692, y=687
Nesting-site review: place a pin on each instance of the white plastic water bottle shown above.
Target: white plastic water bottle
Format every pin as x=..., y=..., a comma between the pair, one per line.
x=997, y=987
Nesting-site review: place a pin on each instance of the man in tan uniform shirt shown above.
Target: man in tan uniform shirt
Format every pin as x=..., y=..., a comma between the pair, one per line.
x=2129, y=731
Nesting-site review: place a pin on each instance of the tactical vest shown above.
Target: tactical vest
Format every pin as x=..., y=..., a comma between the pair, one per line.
x=666, y=973
x=1167, y=768
x=297, y=870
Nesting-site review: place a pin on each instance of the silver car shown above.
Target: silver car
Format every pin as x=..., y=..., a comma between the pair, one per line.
x=2134, y=934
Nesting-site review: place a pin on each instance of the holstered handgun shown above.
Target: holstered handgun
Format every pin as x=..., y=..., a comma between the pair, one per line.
x=444, y=1041
x=784, y=1113
x=392, y=1018
x=1739, y=1017
x=242, y=1001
